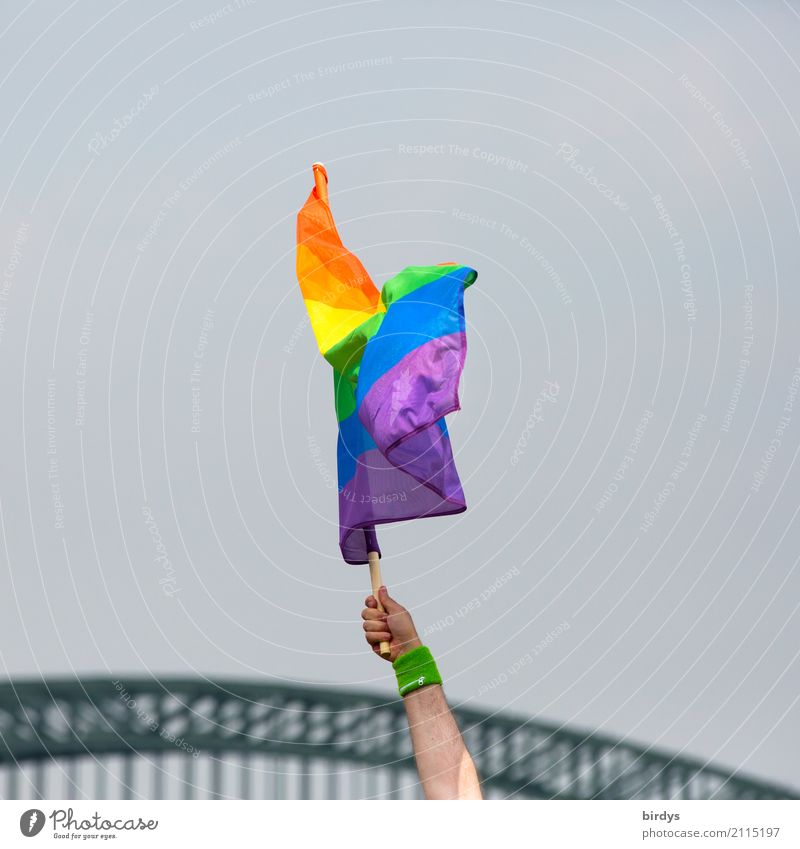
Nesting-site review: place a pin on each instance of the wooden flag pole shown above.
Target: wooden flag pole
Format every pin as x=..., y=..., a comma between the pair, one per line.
x=375, y=578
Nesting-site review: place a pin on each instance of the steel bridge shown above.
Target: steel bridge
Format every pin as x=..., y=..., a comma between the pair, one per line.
x=190, y=738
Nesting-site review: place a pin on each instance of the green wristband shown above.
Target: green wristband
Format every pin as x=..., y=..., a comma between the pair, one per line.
x=416, y=669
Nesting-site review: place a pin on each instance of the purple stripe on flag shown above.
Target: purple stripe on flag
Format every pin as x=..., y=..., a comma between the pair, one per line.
x=410, y=473
x=416, y=392
x=381, y=492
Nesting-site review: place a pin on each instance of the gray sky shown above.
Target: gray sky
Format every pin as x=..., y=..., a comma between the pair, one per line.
x=623, y=176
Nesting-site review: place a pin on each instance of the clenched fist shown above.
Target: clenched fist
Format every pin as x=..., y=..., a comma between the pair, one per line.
x=395, y=626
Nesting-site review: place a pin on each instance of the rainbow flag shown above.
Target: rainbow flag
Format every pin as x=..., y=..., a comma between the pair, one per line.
x=397, y=356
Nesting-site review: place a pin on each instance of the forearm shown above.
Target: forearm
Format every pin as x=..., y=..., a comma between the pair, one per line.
x=446, y=770
x=445, y=767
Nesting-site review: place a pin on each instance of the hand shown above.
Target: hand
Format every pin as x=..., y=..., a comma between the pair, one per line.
x=395, y=626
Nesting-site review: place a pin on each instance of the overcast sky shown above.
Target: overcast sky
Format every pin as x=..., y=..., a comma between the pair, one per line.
x=624, y=179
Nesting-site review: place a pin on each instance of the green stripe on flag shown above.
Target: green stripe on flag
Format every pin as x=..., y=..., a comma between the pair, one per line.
x=414, y=277
x=345, y=395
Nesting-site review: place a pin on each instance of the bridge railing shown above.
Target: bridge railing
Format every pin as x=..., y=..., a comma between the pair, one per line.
x=191, y=738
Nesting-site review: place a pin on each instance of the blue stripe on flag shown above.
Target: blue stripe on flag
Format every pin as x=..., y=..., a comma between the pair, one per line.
x=433, y=310
x=353, y=441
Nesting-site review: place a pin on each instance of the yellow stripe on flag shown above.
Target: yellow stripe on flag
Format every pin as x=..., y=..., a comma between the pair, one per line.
x=331, y=324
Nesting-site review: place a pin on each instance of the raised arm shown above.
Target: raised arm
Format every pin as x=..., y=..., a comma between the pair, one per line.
x=446, y=770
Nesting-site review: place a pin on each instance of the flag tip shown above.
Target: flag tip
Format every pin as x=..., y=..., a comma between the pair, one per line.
x=320, y=180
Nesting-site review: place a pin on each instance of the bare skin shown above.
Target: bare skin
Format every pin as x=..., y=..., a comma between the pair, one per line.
x=446, y=770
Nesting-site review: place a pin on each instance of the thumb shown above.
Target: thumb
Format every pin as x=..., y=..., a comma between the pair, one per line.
x=389, y=604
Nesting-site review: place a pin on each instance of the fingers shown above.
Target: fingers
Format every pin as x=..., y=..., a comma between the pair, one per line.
x=369, y=613
x=376, y=637
x=389, y=604
x=376, y=628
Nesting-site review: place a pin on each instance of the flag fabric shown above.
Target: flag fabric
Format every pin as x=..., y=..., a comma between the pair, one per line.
x=397, y=357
